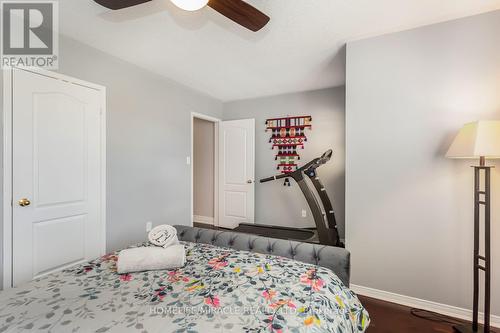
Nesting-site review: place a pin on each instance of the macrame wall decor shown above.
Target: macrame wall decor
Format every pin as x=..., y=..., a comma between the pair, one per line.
x=288, y=135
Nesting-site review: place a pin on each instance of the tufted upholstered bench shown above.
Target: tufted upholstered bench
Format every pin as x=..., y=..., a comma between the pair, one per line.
x=335, y=258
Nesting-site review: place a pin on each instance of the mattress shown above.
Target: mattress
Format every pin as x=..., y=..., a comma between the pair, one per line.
x=218, y=290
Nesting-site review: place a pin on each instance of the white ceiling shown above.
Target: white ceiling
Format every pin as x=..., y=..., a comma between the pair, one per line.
x=300, y=49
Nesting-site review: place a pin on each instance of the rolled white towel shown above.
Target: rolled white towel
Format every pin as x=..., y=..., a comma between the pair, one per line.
x=141, y=259
x=163, y=235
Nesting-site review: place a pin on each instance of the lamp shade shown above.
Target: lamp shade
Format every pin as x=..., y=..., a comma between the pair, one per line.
x=477, y=139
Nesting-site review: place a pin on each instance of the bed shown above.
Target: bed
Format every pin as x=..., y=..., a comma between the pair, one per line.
x=231, y=283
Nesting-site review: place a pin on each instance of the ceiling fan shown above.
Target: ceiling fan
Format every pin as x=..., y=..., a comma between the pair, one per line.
x=237, y=10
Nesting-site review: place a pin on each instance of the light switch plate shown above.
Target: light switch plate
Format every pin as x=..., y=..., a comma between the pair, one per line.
x=149, y=226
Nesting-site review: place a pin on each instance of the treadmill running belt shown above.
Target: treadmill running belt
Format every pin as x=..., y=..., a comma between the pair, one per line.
x=278, y=232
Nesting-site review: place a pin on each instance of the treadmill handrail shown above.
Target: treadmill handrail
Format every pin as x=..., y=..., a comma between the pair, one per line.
x=268, y=179
x=305, y=168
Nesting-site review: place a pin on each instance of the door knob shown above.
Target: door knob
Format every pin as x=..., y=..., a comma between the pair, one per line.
x=249, y=181
x=24, y=202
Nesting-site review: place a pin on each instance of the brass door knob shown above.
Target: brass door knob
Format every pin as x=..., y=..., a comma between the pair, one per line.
x=24, y=202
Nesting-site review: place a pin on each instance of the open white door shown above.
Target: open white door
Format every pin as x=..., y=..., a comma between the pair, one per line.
x=57, y=175
x=237, y=173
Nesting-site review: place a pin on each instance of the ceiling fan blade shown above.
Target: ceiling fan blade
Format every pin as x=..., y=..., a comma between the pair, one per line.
x=241, y=13
x=120, y=4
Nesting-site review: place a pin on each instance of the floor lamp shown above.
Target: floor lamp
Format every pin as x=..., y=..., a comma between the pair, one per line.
x=481, y=140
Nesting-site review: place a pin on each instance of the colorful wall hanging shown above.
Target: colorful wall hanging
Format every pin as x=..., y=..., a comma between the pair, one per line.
x=288, y=135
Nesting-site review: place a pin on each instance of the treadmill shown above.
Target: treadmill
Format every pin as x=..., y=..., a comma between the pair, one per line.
x=326, y=225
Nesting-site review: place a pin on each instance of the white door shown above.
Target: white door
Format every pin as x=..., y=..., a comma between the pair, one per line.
x=56, y=182
x=237, y=172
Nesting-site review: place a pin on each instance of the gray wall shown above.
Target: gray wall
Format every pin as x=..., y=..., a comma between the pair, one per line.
x=149, y=125
x=279, y=205
x=408, y=208
x=1, y=178
x=148, y=140
x=203, y=167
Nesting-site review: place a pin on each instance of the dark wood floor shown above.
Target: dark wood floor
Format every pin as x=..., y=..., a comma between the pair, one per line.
x=393, y=318
x=206, y=226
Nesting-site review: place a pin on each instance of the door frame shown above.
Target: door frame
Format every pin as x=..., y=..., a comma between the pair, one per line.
x=7, y=203
x=216, y=122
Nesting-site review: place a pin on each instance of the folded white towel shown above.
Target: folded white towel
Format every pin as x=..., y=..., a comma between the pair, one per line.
x=141, y=259
x=163, y=235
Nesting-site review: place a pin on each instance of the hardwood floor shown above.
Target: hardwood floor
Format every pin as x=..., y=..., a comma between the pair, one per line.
x=393, y=318
x=207, y=226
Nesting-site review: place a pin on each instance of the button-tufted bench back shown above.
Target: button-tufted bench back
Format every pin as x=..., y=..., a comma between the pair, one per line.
x=335, y=258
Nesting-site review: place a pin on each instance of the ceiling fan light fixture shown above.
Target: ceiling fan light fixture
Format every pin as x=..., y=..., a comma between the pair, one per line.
x=190, y=5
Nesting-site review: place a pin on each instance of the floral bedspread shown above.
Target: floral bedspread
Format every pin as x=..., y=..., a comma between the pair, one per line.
x=219, y=290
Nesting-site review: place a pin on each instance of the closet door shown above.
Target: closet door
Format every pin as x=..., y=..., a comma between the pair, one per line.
x=56, y=184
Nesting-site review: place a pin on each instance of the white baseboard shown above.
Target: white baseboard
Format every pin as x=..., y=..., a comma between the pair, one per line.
x=203, y=219
x=413, y=302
